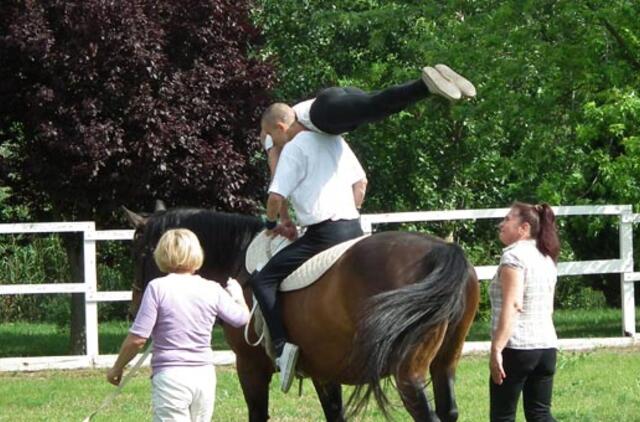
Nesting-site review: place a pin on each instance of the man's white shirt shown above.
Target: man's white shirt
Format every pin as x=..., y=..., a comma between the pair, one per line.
x=316, y=172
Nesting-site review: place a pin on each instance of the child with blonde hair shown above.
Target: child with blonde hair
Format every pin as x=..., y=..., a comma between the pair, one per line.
x=178, y=311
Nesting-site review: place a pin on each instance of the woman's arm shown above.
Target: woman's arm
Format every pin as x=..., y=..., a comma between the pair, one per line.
x=129, y=349
x=512, y=289
x=231, y=305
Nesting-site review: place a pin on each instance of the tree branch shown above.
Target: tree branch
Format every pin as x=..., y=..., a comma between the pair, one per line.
x=627, y=53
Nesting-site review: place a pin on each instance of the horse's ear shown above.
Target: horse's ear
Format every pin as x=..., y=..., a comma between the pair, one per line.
x=136, y=220
x=160, y=206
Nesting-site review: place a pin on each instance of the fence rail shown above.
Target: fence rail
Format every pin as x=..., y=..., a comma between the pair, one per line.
x=622, y=265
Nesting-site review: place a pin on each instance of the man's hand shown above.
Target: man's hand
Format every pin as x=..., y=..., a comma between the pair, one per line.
x=286, y=229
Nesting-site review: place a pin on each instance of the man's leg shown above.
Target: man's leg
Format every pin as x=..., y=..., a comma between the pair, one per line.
x=265, y=287
x=339, y=110
x=265, y=284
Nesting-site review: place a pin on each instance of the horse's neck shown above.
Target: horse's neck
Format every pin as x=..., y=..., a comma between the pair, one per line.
x=237, y=270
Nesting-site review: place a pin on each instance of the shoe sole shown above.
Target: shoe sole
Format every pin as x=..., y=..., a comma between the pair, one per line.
x=289, y=380
x=466, y=87
x=439, y=85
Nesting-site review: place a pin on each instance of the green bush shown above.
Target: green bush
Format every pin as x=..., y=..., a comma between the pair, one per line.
x=574, y=293
x=115, y=272
x=33, y=259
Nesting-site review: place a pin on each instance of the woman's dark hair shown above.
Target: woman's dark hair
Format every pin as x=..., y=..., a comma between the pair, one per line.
x=542, y=221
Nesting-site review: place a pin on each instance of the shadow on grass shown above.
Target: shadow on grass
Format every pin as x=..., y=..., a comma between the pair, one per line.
x=43, y=339
x=24, y=343
x=33, y=340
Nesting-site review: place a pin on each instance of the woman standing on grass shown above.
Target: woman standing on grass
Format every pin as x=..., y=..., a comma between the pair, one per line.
x=178, y=311
x=523, y=338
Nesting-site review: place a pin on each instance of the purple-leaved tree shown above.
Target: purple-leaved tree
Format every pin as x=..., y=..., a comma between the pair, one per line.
x=109, y=103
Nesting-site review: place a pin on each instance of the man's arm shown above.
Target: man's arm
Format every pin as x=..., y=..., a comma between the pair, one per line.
x=274, y=204
x=272, y=158
x=359, y=191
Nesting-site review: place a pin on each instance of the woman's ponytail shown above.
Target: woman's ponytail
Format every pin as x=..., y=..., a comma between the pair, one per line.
x=542, y=221
x=547, y=238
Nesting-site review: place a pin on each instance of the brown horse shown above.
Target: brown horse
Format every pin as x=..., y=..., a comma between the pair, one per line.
x=395, y=304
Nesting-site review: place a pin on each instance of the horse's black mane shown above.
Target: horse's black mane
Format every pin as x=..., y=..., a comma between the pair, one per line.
x=224, y=237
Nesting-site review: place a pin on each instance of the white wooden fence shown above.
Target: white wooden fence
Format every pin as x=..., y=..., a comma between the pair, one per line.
x=622, y=265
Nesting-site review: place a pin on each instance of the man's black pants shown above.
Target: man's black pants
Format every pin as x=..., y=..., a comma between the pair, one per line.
x=339, y=110
x=265, y=284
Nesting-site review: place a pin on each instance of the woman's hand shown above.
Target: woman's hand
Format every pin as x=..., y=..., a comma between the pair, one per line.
x=234, y=289
x=495, y=365
x=114, y=376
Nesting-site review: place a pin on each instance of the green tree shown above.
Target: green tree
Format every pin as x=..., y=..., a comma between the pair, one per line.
x=555, y=119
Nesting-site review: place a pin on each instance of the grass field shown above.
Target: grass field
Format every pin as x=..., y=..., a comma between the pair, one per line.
x=29, y=339
x=603, y=385
x=597, y=386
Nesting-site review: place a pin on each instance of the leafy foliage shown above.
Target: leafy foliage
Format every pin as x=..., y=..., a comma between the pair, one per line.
x=556, y=117
x=125, y=102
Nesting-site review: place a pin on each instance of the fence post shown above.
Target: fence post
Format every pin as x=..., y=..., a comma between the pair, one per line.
x=626, y=286
x=91, y=287
x=366, y=225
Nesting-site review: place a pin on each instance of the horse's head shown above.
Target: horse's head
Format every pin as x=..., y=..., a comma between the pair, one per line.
x=145, y=268
x=224, y=238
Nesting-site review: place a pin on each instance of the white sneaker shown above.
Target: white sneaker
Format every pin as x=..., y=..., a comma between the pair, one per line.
x=466, y=87
x=286, y=362
x=440, y=85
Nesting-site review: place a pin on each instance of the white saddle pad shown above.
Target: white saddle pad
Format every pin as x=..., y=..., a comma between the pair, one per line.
x=263, y=247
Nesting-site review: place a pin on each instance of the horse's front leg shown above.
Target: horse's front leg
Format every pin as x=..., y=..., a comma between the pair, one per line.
x=254, y=369
x=255, y=375
x=330, y=395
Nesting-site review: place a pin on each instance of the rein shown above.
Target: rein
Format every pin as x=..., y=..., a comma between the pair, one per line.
x=123, y=382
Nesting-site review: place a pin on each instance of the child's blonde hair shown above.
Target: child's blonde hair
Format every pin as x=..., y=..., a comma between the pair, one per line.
x=178, y=251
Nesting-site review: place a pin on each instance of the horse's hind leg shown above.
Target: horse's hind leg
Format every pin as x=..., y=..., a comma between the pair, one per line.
x=410, y=380
x=330, y=395
x=443, y=367
x=414, y=397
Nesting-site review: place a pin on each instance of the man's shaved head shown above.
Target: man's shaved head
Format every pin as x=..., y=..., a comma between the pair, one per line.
x=278, y=113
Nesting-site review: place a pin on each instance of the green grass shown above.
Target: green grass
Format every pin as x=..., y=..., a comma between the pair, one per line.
x=600, y=386
x=41, y=339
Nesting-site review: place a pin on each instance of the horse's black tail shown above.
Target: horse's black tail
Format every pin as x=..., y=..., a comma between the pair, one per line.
x=395, y=322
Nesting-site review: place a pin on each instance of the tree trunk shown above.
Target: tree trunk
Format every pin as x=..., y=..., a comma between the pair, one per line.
x=73, y=246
